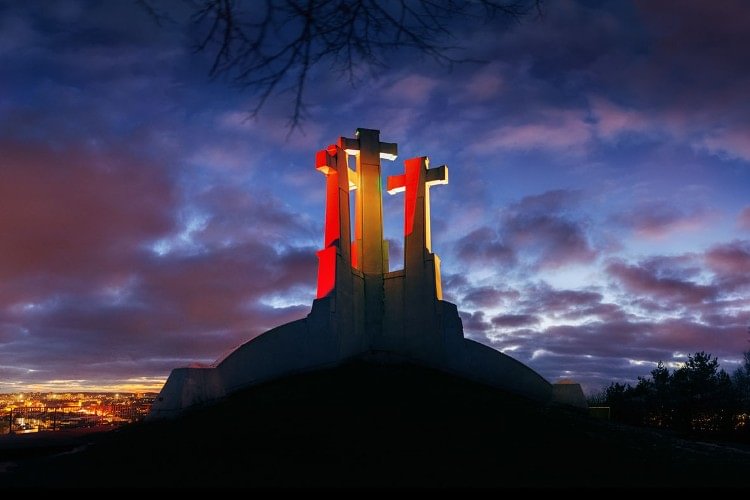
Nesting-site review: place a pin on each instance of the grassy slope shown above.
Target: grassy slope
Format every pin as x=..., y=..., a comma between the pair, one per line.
x=365, y=425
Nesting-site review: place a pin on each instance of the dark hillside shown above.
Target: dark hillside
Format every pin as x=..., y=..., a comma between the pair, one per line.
x=370, y=425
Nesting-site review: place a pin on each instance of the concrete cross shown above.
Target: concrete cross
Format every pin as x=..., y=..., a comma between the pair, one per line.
x=340, y=179
x=416, y=183
x=369, y=253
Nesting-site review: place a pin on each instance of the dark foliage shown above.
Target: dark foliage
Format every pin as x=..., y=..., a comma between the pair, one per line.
x=697, y=398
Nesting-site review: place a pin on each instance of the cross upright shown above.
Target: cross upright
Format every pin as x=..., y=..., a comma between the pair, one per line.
x=340, y=179
x=369, y=253
x=415, y=182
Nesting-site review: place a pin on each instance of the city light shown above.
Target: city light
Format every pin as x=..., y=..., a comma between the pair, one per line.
x=40, y=412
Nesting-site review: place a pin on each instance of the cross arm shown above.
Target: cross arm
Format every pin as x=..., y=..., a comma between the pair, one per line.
x=396, y=183
x=388, y=150
x=438, y=175
x=326, y=163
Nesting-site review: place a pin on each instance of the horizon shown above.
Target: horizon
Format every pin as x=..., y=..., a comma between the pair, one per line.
x=77, y=392
x=597, y=219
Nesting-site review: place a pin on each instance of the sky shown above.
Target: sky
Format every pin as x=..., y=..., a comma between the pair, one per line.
x=597, y=218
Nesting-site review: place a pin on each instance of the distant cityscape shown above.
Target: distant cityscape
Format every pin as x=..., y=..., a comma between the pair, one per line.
x=28, y=412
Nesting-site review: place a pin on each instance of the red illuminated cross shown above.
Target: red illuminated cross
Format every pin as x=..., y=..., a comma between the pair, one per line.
x=416, y=182
x=340, y=179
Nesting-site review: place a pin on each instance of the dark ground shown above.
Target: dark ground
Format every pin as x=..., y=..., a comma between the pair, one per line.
x=367, y=425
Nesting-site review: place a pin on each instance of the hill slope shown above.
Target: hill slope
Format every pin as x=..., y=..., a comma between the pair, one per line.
x=369, y=425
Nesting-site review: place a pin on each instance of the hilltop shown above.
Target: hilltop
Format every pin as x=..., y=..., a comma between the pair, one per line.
x=383, y=425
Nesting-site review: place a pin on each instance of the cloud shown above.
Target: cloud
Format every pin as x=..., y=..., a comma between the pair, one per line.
x=487, y=296
x=541, y=228
x=515, y=320
x=568, y=304
x=556, y=130
x=731, y=143
x=537, y=231
x=239, y=215
x=484, y=245
x=76, y=212
x=485, y=84
x=474, y=322
x=660, y=219
x=731, y=259
x=412, y=89
x=551, y=241
x=556, y=200
x=640, y=279
x=102, y=277
x=597, y=353
x=613, y=121
x=743, y=219
x=172, y=311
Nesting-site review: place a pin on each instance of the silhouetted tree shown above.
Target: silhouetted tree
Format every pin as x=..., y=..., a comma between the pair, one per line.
x=741, y=384
x=741, y=381
x=660, y=398
x=697, y=397
x=271, y=46
x=704, y=395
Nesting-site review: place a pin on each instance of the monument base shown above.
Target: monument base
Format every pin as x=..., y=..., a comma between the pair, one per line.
x=313, y=343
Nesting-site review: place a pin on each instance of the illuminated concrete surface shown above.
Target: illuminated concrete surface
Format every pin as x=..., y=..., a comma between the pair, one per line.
x=361, y=309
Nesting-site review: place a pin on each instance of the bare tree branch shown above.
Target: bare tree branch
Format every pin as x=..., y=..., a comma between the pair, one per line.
x=159, y=17
x=261, y=46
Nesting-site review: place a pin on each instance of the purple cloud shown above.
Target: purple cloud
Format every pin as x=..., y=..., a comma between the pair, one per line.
x=641, y=280
x=487, y=296
x=538, y=228
x=743, y=219
x=659, y=219
x=731, y=263
x=484, y=246
x=542, y=228
x=514, y=320
x=474, y=323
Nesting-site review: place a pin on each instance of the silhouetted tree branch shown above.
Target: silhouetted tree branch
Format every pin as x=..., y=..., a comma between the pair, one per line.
x=271, y=47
